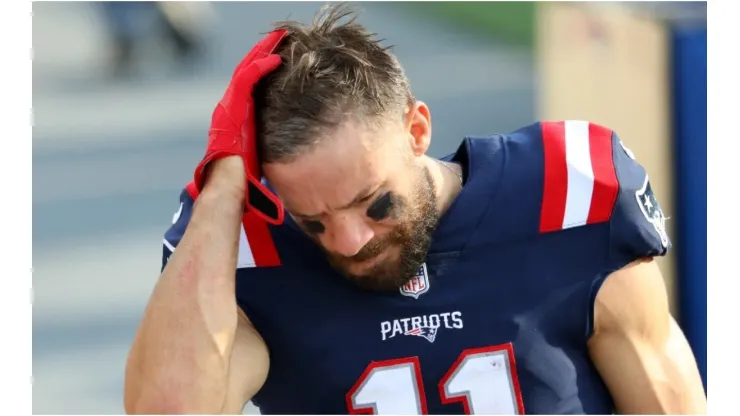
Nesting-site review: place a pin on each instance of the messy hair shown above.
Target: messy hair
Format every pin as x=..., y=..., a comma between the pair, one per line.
x=333, y=71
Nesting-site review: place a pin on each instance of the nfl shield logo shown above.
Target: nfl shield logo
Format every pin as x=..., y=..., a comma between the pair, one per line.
x=418, y=285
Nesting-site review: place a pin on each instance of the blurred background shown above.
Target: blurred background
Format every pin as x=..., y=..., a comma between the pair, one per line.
x=122, y=98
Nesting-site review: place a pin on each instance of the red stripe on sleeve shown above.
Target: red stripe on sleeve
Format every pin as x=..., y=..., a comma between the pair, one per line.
x=606, y=185
x=555, y=186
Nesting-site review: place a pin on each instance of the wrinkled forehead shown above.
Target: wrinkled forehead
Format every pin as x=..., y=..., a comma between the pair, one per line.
x=331, y=175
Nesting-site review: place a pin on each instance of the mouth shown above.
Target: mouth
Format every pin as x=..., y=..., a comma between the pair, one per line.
x=368, y=263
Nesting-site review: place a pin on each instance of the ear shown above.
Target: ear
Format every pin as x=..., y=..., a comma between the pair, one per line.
x=419, y=127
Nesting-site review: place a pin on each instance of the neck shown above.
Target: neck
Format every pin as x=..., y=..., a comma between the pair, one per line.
x=447, y=183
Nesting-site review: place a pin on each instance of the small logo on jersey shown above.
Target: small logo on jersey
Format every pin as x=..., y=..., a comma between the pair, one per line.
x=418, y=285
x=427, y=332
x=651, y=210
x=424, y=326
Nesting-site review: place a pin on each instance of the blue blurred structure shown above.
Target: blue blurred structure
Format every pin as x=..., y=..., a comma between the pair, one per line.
x=690, y=128
x=130, y=23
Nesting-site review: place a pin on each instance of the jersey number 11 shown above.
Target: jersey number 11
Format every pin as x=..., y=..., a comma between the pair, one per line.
x=484, y=380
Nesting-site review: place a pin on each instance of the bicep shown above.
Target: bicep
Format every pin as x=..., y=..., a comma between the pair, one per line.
x=248, y=368
x=648, y=378
x=638, y=348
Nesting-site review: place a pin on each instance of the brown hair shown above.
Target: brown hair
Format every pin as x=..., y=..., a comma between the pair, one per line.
x=331, y=71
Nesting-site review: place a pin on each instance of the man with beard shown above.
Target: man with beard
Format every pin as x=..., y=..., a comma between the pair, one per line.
x=514, y=275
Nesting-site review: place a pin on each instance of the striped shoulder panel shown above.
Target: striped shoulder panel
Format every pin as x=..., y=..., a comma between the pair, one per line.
x=580, y=184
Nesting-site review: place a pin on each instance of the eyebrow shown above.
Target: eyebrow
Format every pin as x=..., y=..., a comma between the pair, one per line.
x=359, y=198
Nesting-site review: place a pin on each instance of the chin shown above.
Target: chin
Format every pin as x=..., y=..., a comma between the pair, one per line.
x=380, y=277
x=376, y=283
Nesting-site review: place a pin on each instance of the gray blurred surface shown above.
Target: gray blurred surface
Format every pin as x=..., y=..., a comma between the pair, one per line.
x=109, y=160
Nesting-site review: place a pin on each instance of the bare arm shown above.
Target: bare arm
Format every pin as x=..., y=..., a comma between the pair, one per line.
x=639, y=349
x=191, y=334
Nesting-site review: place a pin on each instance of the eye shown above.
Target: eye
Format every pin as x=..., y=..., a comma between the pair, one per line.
x=313, y=227
x=381, y=208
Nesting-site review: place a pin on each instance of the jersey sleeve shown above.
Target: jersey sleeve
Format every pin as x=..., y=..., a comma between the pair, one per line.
x=180, y=221
x=637, y=225
x=256, y=244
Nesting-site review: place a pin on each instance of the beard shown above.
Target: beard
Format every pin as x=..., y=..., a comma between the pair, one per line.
x=408, y=243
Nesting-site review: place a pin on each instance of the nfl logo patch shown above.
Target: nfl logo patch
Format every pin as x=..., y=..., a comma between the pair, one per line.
x=418, y=285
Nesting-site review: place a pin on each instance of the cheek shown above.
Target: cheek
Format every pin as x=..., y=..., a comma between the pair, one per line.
x=392, y=229
x=382, y=229
x=401, y=208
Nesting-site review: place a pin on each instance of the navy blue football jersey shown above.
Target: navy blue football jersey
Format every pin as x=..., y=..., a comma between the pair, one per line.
x=497, y=318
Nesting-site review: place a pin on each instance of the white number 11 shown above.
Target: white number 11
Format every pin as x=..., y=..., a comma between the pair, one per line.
x=484, y=380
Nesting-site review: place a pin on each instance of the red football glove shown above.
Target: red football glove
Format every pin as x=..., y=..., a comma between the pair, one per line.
x=233, y=130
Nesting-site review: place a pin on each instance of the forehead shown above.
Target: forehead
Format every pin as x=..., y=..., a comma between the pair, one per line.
x=330, y=175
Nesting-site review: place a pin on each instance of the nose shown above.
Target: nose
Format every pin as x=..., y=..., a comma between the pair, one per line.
x=347, y=236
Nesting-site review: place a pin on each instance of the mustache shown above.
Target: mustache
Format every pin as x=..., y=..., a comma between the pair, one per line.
x=374, y=248
x=371, y=250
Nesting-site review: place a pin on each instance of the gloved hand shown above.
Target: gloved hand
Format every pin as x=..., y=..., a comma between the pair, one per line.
x=233, y=128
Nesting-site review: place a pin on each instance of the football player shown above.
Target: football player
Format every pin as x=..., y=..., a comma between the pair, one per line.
x=321, y=262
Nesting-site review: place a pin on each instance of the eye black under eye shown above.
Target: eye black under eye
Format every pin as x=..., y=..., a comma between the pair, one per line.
x=382, y=207
x=314, y=227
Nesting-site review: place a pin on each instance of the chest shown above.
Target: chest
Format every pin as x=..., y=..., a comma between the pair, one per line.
x=463, y=337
